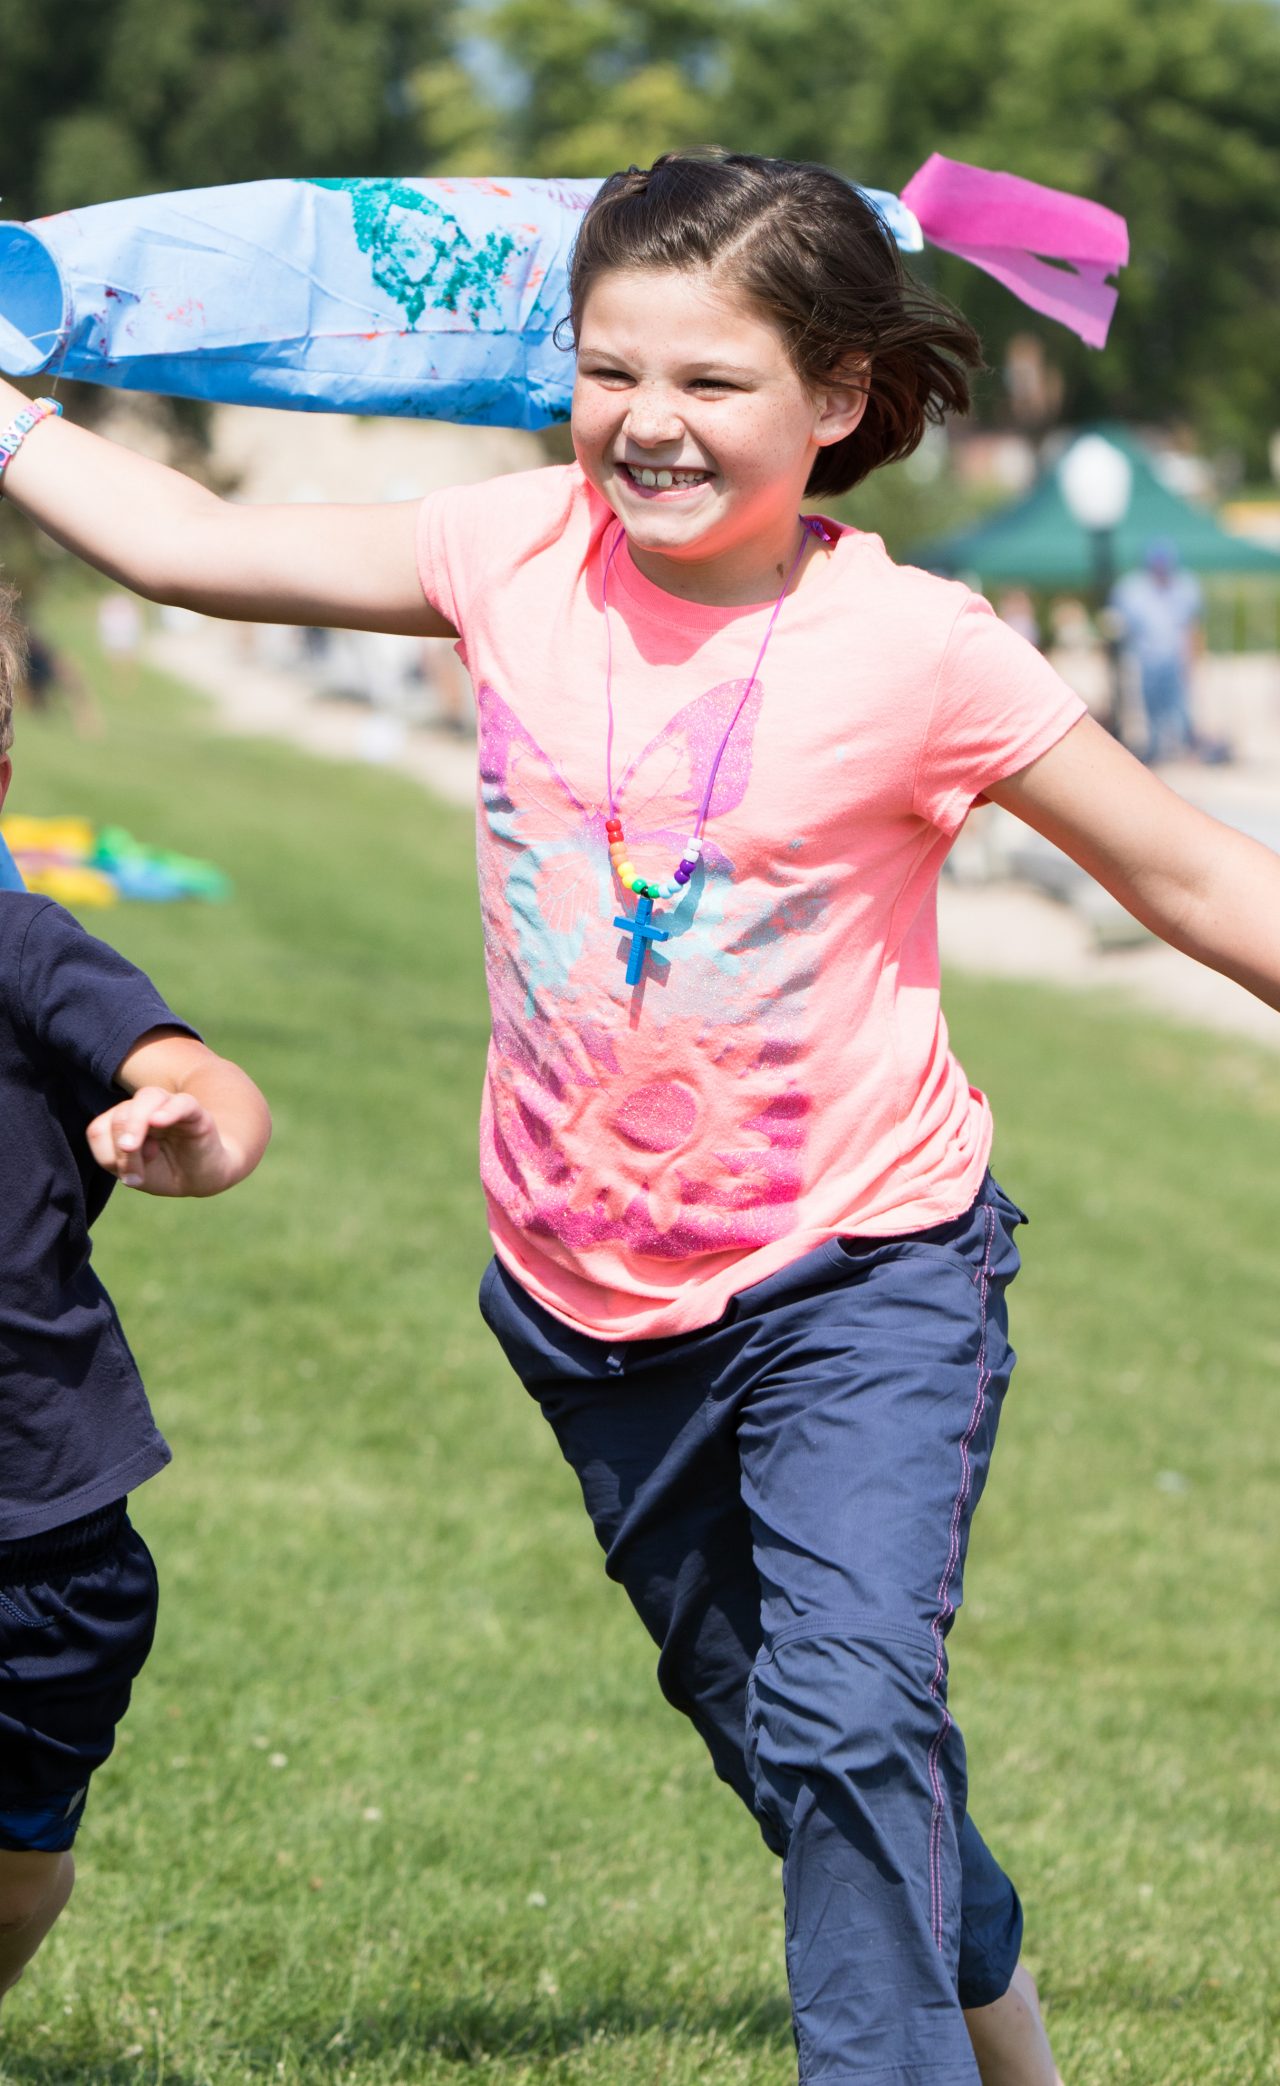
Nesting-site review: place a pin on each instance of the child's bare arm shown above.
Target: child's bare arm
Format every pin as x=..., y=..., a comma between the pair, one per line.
x=194, y=1123
x=1205, y=889
x=171, y=540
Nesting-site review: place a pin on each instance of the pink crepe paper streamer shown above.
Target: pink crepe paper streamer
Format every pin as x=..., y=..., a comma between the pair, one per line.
x=1002, y=223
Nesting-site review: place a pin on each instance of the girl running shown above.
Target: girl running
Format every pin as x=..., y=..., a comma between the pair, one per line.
x=749, y=1257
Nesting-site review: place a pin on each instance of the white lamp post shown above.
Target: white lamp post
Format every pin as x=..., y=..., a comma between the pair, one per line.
x=1096, y=482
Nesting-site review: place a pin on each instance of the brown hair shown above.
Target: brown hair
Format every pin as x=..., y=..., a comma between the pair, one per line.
x=13, y=664
x=815, y=258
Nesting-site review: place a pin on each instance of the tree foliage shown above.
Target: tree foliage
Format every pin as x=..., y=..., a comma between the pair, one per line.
x=1168, y=110
x=119, y=97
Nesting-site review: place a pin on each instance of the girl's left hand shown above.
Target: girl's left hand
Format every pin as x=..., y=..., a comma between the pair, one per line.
x=163, y=1143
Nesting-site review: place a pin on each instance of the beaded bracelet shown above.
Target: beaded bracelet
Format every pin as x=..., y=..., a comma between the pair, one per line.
x=13, y=436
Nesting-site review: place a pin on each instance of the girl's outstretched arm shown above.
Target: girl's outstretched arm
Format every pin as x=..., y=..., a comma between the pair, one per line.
x=1200, y=886
x=171, y=540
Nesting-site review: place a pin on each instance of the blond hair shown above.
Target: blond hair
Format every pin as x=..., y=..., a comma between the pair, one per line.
x=13, y=664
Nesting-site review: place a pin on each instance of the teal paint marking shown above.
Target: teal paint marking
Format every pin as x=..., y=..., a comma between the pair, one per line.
x=547, y=953
x=420, y=254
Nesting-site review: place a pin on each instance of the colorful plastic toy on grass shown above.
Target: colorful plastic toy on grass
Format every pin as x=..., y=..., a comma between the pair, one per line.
x=69, y=838
x=73, y=884
x=156, y=873
x=66, y=859
x=437, y=299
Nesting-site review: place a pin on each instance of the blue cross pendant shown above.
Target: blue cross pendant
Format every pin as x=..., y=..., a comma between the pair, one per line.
x=641, y=934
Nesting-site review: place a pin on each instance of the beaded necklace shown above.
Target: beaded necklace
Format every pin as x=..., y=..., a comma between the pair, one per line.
x=639, y=924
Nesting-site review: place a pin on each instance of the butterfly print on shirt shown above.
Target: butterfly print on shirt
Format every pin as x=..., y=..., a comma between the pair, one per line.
x=666, y=1117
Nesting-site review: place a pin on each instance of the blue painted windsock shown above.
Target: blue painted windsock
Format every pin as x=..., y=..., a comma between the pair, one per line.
x=436, y=299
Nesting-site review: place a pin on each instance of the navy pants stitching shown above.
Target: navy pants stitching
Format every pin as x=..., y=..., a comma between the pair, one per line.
x=945, y=1609
x=24, y=1622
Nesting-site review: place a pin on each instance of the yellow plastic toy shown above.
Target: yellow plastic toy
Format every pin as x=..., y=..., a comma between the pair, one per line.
x=70, y=885
x=49, y=836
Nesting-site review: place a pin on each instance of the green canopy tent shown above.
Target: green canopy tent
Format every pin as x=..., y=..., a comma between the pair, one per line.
x=1036, y=541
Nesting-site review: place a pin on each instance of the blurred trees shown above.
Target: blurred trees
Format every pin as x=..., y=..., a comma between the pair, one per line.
x=103, y=98
x=582, y=86
x=1168, y=110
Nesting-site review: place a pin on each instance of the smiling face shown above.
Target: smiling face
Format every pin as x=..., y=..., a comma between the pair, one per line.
x=691, y=421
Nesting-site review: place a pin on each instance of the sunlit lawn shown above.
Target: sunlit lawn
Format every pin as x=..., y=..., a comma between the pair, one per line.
x=398, y=1799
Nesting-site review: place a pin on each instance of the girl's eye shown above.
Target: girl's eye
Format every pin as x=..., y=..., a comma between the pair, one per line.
x=712, y=384
x=608, y=376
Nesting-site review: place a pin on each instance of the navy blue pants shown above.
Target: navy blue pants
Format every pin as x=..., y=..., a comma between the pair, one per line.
x=786, y=1497
x=77, y=1616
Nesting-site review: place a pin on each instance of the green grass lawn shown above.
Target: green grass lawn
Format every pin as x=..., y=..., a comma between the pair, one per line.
x=398, y=1799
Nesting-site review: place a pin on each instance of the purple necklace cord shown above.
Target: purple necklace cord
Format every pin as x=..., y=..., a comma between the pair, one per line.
x=810, y=525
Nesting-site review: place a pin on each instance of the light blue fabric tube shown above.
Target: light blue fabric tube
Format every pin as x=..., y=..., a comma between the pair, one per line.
x=430, y=299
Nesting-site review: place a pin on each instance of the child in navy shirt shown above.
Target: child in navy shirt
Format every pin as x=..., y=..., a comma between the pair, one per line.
x=99, y=1081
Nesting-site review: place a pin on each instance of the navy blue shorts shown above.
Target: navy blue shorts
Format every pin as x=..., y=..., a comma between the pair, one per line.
x=786, y=1497
x=77, y=1617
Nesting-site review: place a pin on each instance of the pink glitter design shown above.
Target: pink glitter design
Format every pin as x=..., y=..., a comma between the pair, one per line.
x=667, y=1124
x=657, y=1117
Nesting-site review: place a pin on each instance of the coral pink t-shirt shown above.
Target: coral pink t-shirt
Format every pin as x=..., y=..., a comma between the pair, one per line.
x=781, y=1074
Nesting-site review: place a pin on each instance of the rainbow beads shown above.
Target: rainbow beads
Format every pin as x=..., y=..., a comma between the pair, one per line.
x=629, y=877
x=639, y=925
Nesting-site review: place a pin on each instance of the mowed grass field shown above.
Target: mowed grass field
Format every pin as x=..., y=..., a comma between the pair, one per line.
x=398, y=1799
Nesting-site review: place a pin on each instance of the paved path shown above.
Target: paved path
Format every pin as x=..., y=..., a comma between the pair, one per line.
x=997, y=927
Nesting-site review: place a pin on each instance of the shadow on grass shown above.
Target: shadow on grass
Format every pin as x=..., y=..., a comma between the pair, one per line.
x=473, y=2031
x=463, y=2034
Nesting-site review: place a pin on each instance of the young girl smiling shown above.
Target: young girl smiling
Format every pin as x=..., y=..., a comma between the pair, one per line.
x=749, y=1257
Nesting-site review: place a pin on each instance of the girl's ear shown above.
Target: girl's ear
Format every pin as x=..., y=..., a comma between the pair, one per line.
x=841, y=403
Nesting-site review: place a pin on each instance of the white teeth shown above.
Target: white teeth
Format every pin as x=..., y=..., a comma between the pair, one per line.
x=662, y=481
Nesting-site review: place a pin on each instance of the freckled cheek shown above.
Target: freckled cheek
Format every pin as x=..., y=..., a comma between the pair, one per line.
x=586, y=432
x=591, y=426
x=769, y=444
x=594, y=447
x=766, y=457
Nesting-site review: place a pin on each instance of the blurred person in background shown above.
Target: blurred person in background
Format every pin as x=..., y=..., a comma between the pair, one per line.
x=1016, y=608
x=120, y=632
x=450, y=684
x=1077, y=652
x=1160, y=611
x=51, y=678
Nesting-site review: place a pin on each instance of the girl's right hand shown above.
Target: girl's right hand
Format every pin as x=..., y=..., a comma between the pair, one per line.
x=171, y=540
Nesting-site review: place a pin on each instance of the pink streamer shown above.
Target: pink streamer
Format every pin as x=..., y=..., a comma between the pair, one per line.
x=1002, y=223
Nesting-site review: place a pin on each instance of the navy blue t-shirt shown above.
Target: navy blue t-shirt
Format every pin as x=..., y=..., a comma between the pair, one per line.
x=75, y=1428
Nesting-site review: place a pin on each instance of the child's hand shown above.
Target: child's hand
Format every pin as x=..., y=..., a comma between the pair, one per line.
x=163, y=1143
